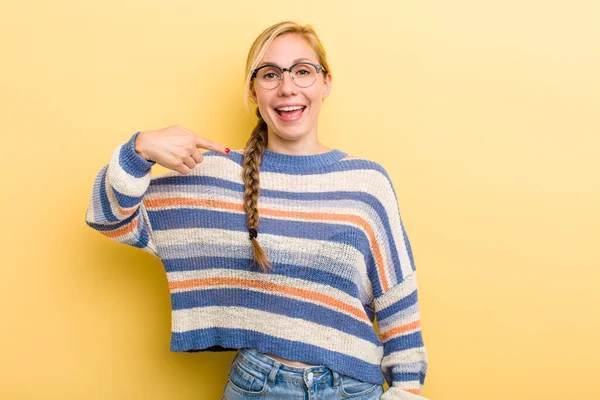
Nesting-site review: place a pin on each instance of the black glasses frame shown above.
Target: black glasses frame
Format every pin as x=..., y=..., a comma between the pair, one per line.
x=289, y=69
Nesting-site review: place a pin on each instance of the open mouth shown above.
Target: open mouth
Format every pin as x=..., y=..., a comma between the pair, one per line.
x=290, y=113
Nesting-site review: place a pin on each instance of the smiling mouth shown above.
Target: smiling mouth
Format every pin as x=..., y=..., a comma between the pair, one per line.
x=291, y=111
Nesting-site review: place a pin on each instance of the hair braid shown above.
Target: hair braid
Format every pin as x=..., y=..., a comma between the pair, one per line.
x=255, y=148
x=253, y=154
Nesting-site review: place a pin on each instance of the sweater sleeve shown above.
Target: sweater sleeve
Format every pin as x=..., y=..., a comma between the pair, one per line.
x=395, y=302
x=116, y=207
x=404, y=363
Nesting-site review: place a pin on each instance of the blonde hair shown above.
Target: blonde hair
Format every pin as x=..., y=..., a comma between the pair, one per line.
x=255, y=147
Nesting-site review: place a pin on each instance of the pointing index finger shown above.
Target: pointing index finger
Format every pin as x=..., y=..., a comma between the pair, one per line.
x=210, y=145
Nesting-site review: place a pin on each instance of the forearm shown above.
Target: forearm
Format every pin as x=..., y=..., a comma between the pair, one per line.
x=116, y=203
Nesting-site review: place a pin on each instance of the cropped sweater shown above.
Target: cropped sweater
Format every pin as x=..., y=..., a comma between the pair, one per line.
x=331, y=228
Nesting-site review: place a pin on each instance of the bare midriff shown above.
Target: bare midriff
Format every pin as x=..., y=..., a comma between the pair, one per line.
x=289, y=362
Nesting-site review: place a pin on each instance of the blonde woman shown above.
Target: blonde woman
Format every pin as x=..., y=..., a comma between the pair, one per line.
x=286, y=250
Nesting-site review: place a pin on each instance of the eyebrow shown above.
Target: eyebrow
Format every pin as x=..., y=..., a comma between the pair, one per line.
x=293, y=62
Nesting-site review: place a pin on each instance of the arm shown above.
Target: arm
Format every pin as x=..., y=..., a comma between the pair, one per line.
x=395, y=302
x=116, y=209
x=404, y=364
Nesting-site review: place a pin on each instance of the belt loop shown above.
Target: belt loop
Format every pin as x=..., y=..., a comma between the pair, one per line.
x=273, y=372
x=336, y=378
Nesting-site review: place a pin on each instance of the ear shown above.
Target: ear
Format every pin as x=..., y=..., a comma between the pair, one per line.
x=253, y=93
x=326, y=85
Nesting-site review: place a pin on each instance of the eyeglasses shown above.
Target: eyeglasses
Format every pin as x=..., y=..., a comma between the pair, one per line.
x=303, y=74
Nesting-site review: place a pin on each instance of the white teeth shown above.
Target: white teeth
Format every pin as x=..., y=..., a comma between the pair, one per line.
x=292, y=108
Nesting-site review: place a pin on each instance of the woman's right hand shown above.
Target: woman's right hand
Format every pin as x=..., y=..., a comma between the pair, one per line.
x=175, y=148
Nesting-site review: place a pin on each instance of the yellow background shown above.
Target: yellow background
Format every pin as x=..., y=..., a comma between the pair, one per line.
x=484, y=113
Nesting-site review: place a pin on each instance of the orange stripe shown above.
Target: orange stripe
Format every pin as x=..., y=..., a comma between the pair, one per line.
x=126, y=212
x=401, y=329
x=122, y=211
x=122, y=231
x=271, y=287
x=183, y=201
x=414, y=391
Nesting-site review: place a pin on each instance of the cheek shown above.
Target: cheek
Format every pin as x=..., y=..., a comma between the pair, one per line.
x=316, y=101
x=264, y=108
x=317, y=95
x=262, y=100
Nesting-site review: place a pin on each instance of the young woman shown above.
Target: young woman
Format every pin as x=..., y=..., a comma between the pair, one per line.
x=299, y=300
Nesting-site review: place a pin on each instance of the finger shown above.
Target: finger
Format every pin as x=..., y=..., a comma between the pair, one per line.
x=197, y=156
x=185, y=130
x=189, y=162
x=182, y=169
x=210, y=145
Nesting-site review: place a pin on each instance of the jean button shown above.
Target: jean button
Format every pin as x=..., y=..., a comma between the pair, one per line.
x=309, y=376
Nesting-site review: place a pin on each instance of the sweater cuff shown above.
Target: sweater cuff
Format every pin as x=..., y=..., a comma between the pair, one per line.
x=132, y=162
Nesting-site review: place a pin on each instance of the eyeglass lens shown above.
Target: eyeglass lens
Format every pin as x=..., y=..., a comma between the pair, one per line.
x=303, y=75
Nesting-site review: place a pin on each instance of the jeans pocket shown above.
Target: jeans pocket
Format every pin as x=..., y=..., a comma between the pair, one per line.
x=246, y=380
x=351, y=387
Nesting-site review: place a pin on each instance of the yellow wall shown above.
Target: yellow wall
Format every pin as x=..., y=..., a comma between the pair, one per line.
x=485, y=114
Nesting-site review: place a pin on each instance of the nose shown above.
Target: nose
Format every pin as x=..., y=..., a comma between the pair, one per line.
x=287, y=87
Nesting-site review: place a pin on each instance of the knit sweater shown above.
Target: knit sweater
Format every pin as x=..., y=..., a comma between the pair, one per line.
x=331, y=228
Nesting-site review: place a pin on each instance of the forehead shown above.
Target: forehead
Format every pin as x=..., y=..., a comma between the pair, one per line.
x=287, y=49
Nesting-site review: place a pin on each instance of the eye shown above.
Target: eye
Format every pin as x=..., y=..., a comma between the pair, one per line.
x=302, y=70
x=269, y=74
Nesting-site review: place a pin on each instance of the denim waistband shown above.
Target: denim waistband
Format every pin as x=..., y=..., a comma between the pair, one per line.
x=272, y=367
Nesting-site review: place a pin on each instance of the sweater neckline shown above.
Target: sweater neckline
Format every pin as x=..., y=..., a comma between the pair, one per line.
x=301, y=162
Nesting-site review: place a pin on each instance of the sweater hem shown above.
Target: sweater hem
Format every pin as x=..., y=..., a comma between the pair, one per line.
x=213, y=340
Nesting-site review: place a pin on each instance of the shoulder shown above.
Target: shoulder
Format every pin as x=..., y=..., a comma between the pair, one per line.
x=369, y=176
x=364, y=165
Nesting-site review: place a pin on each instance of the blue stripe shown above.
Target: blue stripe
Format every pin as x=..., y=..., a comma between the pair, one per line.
x=210, y=219
x=363, y=197
x=412, y=376
x=204, y=262
x=126, y=201
x=408, y=248
x=403, y=342
x=406, y=376
x=111, y=227
x=197, y=180
x=143, y=238
x=243, y=264
x=131, y=162
x=406, y=240
x=185, y=218
x=345, y=165
x=96, y=201
x=106, y=210
x=274, y=303
x=230, y=339
x=400, y=305
x=370, y=314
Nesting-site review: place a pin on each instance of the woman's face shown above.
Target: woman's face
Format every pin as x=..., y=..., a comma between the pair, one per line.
x=297, y=125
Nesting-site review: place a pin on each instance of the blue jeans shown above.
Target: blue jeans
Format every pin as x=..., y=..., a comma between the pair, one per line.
x=254, y=375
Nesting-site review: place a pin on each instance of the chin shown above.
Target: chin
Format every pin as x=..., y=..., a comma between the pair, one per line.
x=292, y=134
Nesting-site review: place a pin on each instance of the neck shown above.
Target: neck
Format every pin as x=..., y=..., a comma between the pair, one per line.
x=308, y=146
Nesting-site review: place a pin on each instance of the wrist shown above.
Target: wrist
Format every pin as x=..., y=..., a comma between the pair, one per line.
x=139, y=146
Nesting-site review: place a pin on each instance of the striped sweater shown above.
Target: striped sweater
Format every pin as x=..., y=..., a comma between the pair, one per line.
x=331, y=227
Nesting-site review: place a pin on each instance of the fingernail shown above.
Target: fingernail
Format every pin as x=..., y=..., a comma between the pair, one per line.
x=227, y=150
